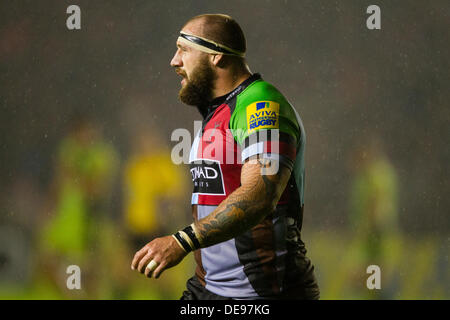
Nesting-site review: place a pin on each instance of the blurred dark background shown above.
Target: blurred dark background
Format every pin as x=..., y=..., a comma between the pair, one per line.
x=363, y=95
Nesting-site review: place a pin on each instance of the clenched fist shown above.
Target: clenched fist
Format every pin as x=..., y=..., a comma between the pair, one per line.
x=165, y=252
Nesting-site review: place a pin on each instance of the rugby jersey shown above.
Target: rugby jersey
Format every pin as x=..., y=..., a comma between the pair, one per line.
x=269, y=259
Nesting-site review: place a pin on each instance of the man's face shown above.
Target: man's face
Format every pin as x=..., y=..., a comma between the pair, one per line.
x=197, y=75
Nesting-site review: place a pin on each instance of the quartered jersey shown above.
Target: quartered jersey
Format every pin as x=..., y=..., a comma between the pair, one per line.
x=268, y=260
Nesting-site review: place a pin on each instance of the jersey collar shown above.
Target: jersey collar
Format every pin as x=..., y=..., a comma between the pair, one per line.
x=230, y=95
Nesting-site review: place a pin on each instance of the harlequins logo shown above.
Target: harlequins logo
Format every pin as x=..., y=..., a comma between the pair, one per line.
x=262, y=115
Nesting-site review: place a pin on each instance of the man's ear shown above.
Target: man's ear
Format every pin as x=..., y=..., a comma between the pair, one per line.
x=217, y=60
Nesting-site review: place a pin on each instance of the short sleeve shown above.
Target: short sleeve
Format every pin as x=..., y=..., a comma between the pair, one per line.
x=263, y=123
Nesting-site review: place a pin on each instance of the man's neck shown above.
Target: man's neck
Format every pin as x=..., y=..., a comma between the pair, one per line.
x=228, y=82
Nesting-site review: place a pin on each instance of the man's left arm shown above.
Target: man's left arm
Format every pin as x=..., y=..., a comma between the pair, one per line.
x=261, y=188
x=257, y=197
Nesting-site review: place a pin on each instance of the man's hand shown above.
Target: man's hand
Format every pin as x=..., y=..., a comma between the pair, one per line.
x=164, y=251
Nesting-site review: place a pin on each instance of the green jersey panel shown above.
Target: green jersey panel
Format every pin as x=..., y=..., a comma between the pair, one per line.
x=276, y=114
x=261, y=108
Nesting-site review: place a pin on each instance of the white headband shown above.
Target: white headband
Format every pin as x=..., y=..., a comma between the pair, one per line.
x=207, y=45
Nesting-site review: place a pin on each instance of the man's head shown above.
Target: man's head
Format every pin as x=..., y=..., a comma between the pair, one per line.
x=208, y=44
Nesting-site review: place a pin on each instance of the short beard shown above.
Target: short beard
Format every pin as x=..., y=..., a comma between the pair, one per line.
x=198, y=90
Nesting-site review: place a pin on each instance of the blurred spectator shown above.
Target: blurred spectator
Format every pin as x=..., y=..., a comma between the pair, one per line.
x=85, y=169
x=154, y=187
x=154, y=191
x=373, y=219
x=374, y=215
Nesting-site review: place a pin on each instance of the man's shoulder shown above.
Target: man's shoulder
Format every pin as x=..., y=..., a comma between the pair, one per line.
x=261, y=94
x=259, y=90
x=262, y=106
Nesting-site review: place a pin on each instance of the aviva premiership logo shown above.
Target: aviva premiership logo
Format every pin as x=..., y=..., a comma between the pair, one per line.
x=262, y=115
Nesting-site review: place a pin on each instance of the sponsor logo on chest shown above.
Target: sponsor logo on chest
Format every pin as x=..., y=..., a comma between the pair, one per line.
x=207, y=177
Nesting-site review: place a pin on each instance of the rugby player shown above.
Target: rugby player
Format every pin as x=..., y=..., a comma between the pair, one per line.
x=248, y=211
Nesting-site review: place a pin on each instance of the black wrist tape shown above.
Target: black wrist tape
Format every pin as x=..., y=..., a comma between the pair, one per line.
x=191, y=234
x=183, y=242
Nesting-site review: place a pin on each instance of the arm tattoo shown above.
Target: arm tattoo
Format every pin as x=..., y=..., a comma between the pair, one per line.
x=245, y=207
